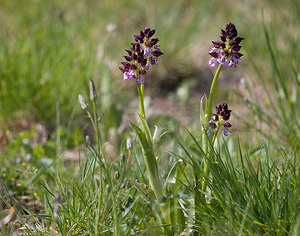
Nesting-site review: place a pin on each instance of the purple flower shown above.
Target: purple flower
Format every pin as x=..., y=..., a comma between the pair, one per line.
x=143, y=53
x=210, y=127
x=226, y=130
x=226, y=51
x=219, y=119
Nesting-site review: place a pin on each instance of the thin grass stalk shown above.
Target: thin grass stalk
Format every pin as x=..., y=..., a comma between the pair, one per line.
x=103, y=163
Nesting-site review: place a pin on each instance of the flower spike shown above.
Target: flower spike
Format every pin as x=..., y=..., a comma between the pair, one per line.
x=226, y=51
x=219, y=119
x=141, y=56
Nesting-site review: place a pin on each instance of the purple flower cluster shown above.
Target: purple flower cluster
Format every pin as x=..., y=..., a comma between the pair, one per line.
x=227, y=50
x=144, y=52
x=219, y=119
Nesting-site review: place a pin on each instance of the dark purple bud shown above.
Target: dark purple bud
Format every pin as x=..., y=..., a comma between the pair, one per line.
x=151, y=33
x=146, y=31
x=154, y=41
x=215, y=117
x=223, y=36
x=132, y=67
x=144, y=62
x=128, y=58
x=218, y=44
x=226, y=115
x=157, y=53
x=236, y=48
x=139, y=59
x=129, y=52
x=214, y=54
x=234, y=43
x=136, y=47
x=231, y=31
x=227, y=125
x=225, y=106
x=237, y=55
x=123, y=69
x=140, y=53
x=138, y=38
x=126, y=64
x=219, y=109
x=238, y=40
x=152, y=60
x=212, y=125
x=142, y=72
x=134, y=57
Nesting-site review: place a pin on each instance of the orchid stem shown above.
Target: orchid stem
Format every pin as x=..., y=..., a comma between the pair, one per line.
x=211, y=94
x=140, y=88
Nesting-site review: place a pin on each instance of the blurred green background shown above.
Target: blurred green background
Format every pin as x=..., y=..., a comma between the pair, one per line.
x=50, y=49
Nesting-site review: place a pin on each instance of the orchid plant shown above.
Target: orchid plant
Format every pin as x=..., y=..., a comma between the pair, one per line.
x=225, y=52
x=143, y=54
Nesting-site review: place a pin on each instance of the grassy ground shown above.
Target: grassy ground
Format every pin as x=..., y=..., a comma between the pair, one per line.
x=48, y=52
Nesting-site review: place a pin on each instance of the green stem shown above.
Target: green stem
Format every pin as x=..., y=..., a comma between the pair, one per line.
x=208, y=112
x=151, y=164
x=206, y=170
x=94, y=120
x=201, y=182
x=98, y=141
x=208, y=109
x=96, y=128
x=140, y=88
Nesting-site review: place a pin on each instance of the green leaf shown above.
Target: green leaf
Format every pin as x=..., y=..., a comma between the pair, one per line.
x=202, y=111
x=145, y=128
x=172, y=183
x=149, y=156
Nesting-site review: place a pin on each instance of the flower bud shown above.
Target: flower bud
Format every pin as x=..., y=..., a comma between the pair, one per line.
x=88, y=139
x=93, y=93
x=227, y=125
x=122, y=157
x=215, y=117
x=117, y=175
x=129, y=143
x=84, y=105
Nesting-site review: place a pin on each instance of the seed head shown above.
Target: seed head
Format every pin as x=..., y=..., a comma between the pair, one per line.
x=93, y=93
x=83, y=102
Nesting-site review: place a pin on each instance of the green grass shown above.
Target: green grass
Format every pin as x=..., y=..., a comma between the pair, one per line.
x=48, y=52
